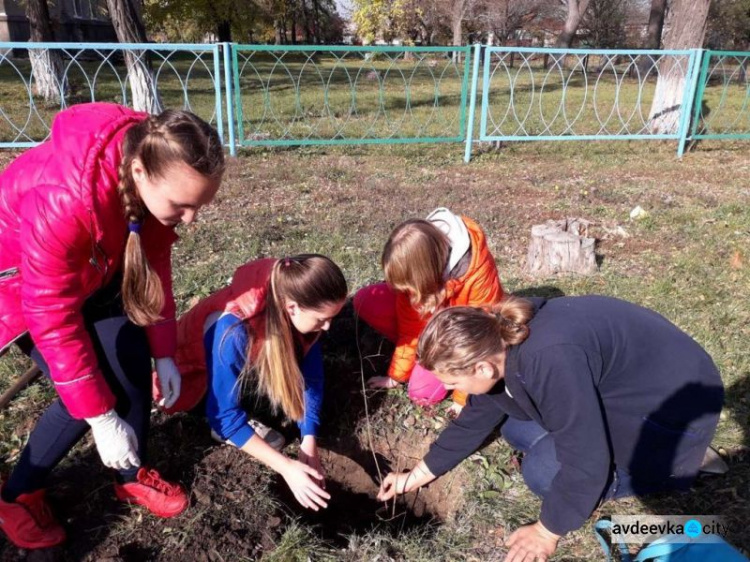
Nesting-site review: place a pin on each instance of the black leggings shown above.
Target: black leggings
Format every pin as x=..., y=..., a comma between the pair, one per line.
x=124, y=359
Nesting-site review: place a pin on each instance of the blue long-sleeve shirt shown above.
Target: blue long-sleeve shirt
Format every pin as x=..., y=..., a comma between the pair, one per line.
x=226, y=345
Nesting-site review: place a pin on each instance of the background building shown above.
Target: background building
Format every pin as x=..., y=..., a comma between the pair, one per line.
x=72, y=21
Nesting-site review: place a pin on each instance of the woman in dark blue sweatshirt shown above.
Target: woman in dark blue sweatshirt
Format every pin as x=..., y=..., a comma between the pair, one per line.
x=606, y=399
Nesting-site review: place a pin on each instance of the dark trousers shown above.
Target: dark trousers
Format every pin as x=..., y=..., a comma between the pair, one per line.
x=124, y=360
x=540, y=464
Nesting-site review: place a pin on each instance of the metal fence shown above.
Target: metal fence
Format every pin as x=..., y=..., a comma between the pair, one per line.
x=303, y=95
x=722, y=101
x=585, y=94
x=350, y=95
x=39, y=79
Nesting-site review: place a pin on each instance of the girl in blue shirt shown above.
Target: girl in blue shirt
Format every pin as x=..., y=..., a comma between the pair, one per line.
x=261, y=333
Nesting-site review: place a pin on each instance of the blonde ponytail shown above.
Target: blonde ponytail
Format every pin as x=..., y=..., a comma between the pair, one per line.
x=457, y=338
x=279, y=377
x=312, y=281
x=513, y=315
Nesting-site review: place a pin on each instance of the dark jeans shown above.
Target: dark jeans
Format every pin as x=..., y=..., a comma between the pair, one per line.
x=125, y=361
x=540, y=464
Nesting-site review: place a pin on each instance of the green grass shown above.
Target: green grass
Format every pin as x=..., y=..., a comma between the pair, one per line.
x=293, y=97
x=688, y=259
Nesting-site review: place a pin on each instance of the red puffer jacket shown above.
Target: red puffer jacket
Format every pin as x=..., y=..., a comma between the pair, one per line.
x=245, y=297
x=62, y=237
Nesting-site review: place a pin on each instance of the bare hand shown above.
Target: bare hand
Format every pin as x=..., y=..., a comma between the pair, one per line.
x=393, y=484
x=531, y=543
x=308, y=454
x=454, y=410
x=382, y=382
x=299, y=478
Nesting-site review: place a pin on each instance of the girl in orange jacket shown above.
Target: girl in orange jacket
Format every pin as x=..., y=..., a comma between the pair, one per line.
x=428, y=264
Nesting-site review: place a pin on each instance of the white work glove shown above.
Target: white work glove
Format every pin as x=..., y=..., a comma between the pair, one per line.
x=115, y=440
x=170, y=381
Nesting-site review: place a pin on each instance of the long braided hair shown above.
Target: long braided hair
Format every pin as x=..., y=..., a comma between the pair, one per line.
x=158, y=142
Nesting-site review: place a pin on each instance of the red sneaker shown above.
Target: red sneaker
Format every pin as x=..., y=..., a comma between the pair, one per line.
x=28, y=522
x=155, y=494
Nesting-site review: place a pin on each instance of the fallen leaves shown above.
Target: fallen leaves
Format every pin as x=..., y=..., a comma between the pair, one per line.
x=736, y=261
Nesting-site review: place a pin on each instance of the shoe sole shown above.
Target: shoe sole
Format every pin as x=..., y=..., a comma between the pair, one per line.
x=162, y=514
x=34, y=546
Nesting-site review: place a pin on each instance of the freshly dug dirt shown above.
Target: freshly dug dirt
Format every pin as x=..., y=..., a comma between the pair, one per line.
x=239, y=508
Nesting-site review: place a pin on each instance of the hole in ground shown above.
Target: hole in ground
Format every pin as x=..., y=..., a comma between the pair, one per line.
x=353, y=508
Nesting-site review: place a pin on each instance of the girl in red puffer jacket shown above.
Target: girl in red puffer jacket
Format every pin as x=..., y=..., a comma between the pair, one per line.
x=86, y=227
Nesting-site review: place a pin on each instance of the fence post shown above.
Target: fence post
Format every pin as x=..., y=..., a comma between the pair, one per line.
x=240, y=130
x=228, y=74
x=691, y=81
x=218, y=106
x=465, y=86
x=702, y=83
x=472, y=102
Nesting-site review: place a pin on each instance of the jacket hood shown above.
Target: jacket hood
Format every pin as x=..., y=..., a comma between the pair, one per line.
x=454, y=228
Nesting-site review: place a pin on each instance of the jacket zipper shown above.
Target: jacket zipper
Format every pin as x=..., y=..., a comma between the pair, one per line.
x=13, y=271
x=97, y=252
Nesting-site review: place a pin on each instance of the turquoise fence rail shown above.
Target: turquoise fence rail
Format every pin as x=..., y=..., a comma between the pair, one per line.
x=39, y=79
x=307, y=95
x=262, y=95
x=584, y=94
x=722, y=100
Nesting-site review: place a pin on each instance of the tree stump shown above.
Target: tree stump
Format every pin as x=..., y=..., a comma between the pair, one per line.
x=561, y=247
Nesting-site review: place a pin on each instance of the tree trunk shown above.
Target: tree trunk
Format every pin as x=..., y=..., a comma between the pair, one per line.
x=655, y=23
x=576, y=9
x=457, y=20
x=457, y=33
x=129, y=28
x=46, y=64
x=309, y=37
x=224, y=31
x=561, y=247
x=687, y=30
x=424, y=35
x=317, y=32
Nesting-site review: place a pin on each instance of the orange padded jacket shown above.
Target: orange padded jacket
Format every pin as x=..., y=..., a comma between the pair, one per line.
x=480, y=285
